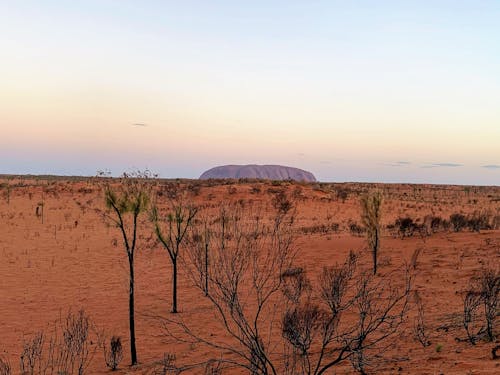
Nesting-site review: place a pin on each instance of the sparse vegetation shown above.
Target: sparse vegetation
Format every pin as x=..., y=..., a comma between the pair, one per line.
x=483, y=289
x=126, y=202
x=178, y=222
x=240, y=251
x=113, y=354
x=5, y=368
x=370, y=216
x=67, y=348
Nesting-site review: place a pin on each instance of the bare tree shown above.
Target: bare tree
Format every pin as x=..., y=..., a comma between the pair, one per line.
x=125, y=202
x=199, y=249
x=471, y=302
x=490, y=290
x=248, y=256
x=358, y=312
x=419, y=325
x=484, y=288
x=178, y=221
x=370, y=216
x=258, y=296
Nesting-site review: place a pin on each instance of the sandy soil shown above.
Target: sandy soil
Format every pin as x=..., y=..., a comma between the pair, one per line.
x=75, y=259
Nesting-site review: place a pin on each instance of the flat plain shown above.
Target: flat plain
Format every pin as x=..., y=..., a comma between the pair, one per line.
x=59, y=253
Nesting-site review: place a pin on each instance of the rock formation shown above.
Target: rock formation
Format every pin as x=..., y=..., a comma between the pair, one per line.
x=270, y=172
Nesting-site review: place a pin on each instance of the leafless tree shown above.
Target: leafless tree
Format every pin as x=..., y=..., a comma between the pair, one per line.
x=125, y=201
x=356, y=313
x=199, y=251
x=490, y=291
x=348, y=316
x=471, y=302
x=248, y=257
x=419, y=325
x=483, y=289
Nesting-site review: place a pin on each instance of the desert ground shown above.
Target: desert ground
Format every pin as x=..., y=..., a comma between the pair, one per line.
x=60, y=253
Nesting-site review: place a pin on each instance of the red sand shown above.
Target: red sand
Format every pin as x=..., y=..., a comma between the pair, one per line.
x=50, y=267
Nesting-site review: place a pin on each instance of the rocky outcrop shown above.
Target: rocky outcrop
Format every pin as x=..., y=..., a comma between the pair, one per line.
x=269, y=172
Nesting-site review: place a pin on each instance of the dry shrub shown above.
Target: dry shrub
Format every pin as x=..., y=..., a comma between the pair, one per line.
x=114, y=355
x=67, y=349
x=419, y=326
x=5, y=368
x=484, y=289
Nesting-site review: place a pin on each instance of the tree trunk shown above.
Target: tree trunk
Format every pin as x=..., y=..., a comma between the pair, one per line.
x=174, y=286
x=133, y=351
x=206, y=270
x=374, y=251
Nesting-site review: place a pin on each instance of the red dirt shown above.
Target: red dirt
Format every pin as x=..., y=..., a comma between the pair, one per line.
x=50, y=267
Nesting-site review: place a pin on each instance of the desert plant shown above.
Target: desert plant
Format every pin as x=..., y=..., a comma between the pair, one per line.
x=125, y=202
x=254, y=262
x=414, y=258
x=114, y=354
x=458, y=222
x=198, y=251
x=66, y=349
x=245, y=249
x=471, y=303
x=483, y=289
x=405, y=226
x=31, y=356
x=370, y=216
x=479, y=221
x=419, y=325
x=295, y=284
x=5, y=368
x=490, y=290
x=178, y=222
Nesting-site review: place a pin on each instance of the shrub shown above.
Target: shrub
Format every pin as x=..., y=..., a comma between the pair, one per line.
x=479, y=221
x=458, y=222
x=356, y=229
x=405, y=226
x=483, y=289
x=5, y=368
x=114, y=355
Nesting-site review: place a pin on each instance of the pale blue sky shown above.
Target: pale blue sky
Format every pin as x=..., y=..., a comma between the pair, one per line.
x=345, y=89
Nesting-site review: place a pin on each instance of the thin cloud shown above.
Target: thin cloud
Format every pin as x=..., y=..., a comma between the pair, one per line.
x=491, y=166
x=448, y=165
x=140, y=125
x=442, y=165
x=398, y=164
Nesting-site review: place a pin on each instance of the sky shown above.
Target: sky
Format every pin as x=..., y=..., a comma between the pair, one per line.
x=381, y=91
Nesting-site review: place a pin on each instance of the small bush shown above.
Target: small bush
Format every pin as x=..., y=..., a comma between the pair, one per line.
x=5, y=368
x=405, y=226
x=114, y=354
x=458, y=222
x=356, y=229
x=479, y=221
